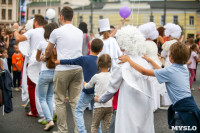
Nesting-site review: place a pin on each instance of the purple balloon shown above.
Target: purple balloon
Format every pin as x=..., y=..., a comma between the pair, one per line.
x=124, y=12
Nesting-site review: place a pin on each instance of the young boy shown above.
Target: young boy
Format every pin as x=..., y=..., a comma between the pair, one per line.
x=183, y=111
x=17, y=62
x=88, y=63
x=3, y=59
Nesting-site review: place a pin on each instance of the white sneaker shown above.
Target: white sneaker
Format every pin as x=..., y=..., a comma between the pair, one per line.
x=16, y=89
x=41, y=120
x=192, y=89
x=49, y=125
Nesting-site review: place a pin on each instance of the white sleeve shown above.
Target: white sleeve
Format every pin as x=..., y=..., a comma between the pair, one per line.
x=115, y=80
x=53, y=37
x=39, y=47
x=164, y=54
x=28, y=34
x=91, y=83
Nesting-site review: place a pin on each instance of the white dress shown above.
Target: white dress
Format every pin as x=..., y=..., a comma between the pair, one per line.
x=165, y=54
x=112, y=48
x=135, y=102
x=157, y=89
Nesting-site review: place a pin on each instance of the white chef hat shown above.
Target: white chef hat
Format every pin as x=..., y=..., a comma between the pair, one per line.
x=149, y=30
x=173, y=30
x=104, y=25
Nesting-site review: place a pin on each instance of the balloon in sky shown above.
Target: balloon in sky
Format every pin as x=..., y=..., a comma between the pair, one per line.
x=50, y=13
x=124, y=12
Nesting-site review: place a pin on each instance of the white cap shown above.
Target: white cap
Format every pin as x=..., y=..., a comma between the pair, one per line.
x=104, y=25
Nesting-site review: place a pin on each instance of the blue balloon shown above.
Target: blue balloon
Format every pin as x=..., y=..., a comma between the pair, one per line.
x=124, y=12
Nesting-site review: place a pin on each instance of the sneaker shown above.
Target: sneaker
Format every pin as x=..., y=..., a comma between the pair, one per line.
x=31, y=114
x=41, y=120
x=49, y=126
x=16, y=89
x=192, y=89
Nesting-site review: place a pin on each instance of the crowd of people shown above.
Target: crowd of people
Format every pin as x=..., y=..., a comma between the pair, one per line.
x=121, y=73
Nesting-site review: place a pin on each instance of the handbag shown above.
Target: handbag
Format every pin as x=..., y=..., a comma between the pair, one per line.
x=50, y=63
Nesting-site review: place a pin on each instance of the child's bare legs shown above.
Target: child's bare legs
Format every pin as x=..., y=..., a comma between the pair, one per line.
x=192, y=75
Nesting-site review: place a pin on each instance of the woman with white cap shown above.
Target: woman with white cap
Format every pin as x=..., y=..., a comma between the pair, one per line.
x=173, y=31
x=110, y=44
x=150, y=33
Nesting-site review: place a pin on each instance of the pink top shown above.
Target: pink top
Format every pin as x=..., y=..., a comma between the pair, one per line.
x=193, y=64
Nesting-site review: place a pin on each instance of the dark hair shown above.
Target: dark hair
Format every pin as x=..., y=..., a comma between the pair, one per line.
x=83, y=26
x=192, y=48
x=2, y=50
x=1, y=37
x=191, y=41
x=180, y=53
x=67, y=12
x=48, y=28
x=96, y=45
x=113, y=27
x=161, y=31
x=104, y=61
x=40, y=19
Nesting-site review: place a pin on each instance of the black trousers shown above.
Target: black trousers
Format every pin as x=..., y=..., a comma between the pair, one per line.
x=16, y=77
x=10, y=64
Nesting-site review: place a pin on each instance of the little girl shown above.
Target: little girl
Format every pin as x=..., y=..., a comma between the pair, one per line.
x=102, y=111
x=3, y=59
x=192, y=65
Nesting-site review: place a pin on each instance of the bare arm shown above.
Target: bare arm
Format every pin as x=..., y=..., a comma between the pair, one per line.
x=38, y=55
x=119, y=27
x=18, y=37
x=1, y=65
x=49, y=50
x=160, y=39
x=137, y=67
x=15, y=64
x=155, y=66
x=7, y=42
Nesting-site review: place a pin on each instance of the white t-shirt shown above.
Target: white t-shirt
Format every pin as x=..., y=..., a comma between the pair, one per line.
x=100, y=83
x=34, y=36
x=192, y=59
x=68, y=40
x=42, y=46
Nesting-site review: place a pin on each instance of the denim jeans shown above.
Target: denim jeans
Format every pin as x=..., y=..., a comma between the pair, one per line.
x=82, y=104
x=45, y=87
x=178, y=122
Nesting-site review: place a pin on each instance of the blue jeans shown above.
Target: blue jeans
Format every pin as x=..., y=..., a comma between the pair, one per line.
x=82, y=104
x=45, y=87
x=178, y=122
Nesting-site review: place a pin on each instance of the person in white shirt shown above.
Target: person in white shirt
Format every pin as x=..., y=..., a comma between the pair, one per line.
x=34, y=36
x=102, y=111
x=68, y=78
x=110, y=46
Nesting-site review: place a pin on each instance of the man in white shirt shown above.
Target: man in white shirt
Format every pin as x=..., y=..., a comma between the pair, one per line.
x=68, y=78
x=34, y=36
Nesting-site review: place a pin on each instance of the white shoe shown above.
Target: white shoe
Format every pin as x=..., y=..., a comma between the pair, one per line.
x=192, y=89
x=49, y=125
x=41, y=120
x=16, y=89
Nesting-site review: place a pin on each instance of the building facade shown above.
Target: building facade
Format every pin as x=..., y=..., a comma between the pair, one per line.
x=184, y=13
x=8, y=12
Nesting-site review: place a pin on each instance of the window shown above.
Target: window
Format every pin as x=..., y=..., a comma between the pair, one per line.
x=9, y=14
x=162, y=19
x=101, y=17
x=175, y=19
x=151, y=18
x=3, y=2
x=191, y=20
x=9, y=1
x=38, y=11
x=3, y=13
x=33, y=11
x=80, y=19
